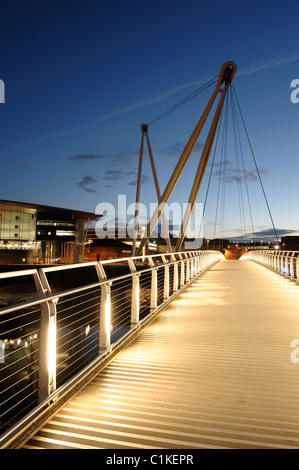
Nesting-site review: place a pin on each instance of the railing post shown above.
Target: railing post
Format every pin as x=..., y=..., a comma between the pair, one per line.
x=195, y=264
x=105, y=309
x=182, y=277
x=187, y=270
x=203, y=261
x=286, y=265
x=292, y=270
x=191, y=268
x=105, y=317
x=277, y=262
x=271, y=260
x=200, y=256
x=175, y=277
x=47, y=340
x=154, y=284
x=154, y=289
x=47, y=351
x=135, y=299
x=166, y=279
x=135, y=303
x=282, y=267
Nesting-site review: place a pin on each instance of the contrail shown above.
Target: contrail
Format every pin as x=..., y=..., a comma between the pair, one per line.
x=255, y=68
x=269, y=64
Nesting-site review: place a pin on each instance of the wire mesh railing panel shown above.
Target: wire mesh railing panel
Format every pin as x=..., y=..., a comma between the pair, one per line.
x=145, y=281
x=17, y=289
x=185, y=271
x=121, y=301
x=57, y=322
x=295, y=267
x=160, y=284
x=171, y=279
x=179, y=273
x=78, y=328
x=19, y=346
x=69, y=278
x=115, y=270
x=288, y=266
x=19, y=364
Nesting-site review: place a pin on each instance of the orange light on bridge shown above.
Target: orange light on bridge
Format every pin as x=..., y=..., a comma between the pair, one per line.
x=87, y=330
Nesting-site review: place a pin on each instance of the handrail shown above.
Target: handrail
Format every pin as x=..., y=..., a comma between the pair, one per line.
x=282, y=262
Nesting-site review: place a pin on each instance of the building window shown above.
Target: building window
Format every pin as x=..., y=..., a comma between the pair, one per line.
x=64, y=233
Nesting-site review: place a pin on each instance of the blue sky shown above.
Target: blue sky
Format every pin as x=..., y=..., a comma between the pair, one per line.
x=81, y=76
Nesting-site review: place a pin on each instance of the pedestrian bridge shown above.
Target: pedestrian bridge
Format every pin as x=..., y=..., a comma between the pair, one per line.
x=211, y=364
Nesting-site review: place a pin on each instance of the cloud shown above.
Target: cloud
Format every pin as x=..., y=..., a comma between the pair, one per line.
x=175, y=150
x=124, y=175
x=84, y=157
x=113, y=175
x=144, y=179
x=127, y=158
x=86, y=182
x=232, y=175
x=267, y=234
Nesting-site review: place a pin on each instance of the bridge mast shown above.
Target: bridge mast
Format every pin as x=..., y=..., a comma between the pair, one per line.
x=227, y=72
x=144, y=133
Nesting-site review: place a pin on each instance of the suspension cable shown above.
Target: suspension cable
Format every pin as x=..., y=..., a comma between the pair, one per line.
x=222, y=164
x=183, y=101
x=238, y=175
x=210, y=175
x=238, y=138
x=257, y=170
x=224, y=174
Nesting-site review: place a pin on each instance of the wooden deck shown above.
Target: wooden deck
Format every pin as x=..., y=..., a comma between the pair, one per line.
x=213, y=371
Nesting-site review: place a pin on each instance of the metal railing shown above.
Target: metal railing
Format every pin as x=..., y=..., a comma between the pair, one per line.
x=57, y=323
x=283, y=262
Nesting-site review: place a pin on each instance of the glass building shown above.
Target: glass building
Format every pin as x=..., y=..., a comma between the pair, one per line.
x=17, y=224
x=31, y=233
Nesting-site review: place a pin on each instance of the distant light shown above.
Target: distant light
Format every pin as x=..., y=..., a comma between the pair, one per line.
x=87, y=330
x=276, y=247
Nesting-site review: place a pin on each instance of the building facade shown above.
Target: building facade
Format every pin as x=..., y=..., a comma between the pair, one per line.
x=32, y=233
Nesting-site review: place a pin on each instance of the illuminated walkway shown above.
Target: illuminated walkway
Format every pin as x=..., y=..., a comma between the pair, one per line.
x=213, y=371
